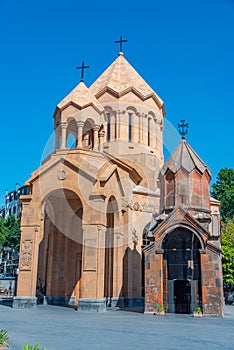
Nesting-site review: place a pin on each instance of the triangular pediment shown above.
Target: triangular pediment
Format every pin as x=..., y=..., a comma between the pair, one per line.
x=180, y=218
x=128, y=166
x=81, y=167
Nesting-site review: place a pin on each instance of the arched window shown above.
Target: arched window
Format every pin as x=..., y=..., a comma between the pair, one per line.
x=71, y=141
x=111, y=126
x=87, y=138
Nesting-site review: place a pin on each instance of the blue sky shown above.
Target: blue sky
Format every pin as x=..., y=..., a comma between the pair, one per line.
x=184, y=49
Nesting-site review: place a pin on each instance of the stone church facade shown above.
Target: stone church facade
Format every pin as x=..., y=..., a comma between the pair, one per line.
x=106, y=223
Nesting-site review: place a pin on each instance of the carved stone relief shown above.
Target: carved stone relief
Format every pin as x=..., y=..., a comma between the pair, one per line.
x=26, y=255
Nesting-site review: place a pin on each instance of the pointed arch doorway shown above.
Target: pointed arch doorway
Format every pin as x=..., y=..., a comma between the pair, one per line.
x=182, y=271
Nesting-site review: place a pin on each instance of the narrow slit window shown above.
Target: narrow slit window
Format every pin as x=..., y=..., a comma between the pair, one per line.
x=149, y=131
x=129, y=127
x=108, y=127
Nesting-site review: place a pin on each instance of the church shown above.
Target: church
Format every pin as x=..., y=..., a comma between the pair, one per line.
x=106, y=222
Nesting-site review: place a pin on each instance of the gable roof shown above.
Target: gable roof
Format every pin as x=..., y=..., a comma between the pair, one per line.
x=184, y=157
x=82, y=97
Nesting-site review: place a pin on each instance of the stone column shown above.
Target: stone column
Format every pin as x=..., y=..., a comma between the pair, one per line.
x=123, y=125
x=145, y=129
x=118, y=124
x=93, y=269
x=153, y=280
x=118, y=265
x=64, y=134
x=154, y=144
x=134, y=128
x=113, y=122
x=101, y=261
x=28, y=263
x=101, y=140
x=139, y=127
x=57, y=137
x=80, y=126
x=153, y=133
x=95, y=136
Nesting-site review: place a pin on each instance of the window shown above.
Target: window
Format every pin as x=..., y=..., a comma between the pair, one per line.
x=130, y=127
x=149, y=122
x=108, y=127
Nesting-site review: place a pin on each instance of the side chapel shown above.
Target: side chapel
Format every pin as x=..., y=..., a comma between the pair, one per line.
x=106, y=223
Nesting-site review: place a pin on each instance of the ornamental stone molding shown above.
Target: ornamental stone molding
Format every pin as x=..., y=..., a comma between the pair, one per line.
x=142, y=207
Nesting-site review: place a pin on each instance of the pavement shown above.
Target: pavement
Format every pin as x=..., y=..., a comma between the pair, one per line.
x=58, y=328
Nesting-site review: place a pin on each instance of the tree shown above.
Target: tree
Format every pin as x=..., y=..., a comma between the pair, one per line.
x=3, y=234
x=223, y=190
x=13, y=232
x=228, y=252
x=10, y=233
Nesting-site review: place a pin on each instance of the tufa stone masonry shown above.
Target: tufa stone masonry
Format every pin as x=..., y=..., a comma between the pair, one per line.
x=106, y=223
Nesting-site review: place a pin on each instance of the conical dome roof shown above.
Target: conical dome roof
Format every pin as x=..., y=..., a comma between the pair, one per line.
x=186, y=158
x=82, y=97
x=120, y=78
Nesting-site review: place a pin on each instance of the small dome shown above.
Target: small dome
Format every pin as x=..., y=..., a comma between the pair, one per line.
x=186, y=158
x=82, y=97
x=120, y=78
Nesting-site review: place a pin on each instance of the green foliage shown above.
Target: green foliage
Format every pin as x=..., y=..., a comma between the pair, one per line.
x=223, y=190
x=198, y=309
x=160, y=307
x=29, y=347
x=3, y=233
x=10, y=233
x=4, y=338
x=13, y=230
x=228, y=251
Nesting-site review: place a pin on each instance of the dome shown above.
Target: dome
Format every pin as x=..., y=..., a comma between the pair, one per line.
x=120, y=78
x=186, y=158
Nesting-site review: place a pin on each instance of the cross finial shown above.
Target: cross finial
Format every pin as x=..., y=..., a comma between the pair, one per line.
x=183, y=129
x=121, y=41
x=82, y=67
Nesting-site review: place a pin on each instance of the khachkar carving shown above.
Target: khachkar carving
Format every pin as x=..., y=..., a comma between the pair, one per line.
x=145, y=207
x=26, y=255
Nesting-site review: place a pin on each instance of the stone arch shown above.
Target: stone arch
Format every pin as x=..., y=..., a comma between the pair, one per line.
x=60, y=250
x=173, y=227
x=71, y=137
x=181, y=270
x=87, y=134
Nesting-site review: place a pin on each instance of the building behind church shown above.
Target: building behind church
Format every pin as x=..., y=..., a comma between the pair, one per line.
x=106, y=223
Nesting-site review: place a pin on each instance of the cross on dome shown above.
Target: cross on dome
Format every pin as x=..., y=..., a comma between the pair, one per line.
x=183, y=129
x=120, y=42
x=82, y=67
